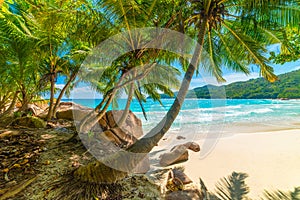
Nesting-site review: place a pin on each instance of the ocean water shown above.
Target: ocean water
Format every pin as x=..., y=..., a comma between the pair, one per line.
x=211, y=116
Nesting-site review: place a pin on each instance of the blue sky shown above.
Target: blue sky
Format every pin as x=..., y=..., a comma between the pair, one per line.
x=234, y=77
x=83, y=91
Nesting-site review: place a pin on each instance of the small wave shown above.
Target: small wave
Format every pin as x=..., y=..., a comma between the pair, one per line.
x=263, y=110
x=220, y=108
x=240, y=113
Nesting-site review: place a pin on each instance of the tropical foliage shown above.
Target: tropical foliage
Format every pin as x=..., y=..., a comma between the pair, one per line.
x=230, y=34
x=276, y=195
x=293, y=43
x=43, y=40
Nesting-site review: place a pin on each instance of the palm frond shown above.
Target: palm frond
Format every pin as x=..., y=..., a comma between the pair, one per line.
x=280, y=195
x=255, y=52
x=233, y=187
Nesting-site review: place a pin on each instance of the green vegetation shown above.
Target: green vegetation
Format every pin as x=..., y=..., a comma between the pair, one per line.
x=290, y=51
x=287, y=86
x=42, y=40
x=229, y=35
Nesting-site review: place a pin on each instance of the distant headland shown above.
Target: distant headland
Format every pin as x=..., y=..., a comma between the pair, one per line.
x=287, y=87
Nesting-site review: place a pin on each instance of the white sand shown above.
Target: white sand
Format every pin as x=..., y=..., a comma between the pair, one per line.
x=271, y=159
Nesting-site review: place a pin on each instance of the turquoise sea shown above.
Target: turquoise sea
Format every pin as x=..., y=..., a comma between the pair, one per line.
x=216, y=115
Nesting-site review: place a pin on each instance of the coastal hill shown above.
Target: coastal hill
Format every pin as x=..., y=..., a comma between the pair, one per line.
x=287, y=86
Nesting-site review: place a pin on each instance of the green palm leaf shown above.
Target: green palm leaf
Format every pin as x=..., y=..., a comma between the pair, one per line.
x=232, y=188
x=280, y=195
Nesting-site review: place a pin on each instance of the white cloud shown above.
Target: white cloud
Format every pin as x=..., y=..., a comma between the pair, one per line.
x=230, y=78
x=85, y=92
x=60, y=86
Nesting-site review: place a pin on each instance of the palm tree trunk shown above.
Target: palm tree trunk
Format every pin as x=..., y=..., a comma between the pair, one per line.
x=97, y=172
x=127, y=107
x=94, y=117
x=10, y=109
x=86, y=123
x=62, y=92
x=3, y=102
x=25, y=99
x=52, y=91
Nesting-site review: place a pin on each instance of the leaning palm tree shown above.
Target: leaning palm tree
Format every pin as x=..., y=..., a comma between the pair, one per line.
x=233, y=33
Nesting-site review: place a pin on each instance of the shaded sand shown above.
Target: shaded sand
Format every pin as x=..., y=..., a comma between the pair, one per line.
x=271, y=159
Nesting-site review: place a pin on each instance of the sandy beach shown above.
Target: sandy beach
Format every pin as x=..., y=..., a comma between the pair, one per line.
x=271, y=159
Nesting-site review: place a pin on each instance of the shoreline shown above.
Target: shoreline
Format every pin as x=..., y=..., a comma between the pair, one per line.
x=270, y=158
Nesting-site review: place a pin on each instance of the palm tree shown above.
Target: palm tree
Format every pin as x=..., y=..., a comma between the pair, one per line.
x=19, y=60
x=115, y=77
x=70, y=70
x=141, y=71
x=292, y=52
x=233, y=33
x=280, y=195
x=62, y=43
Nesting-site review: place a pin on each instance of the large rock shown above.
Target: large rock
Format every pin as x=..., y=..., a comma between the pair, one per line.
x=72, y=114
x=193, y=146
x=127, y=133
x=178, y=154
x=131, y=128
x=72, y=111
x=108, y=128
x=132, y=124
x=179, y=174
x=31, y=122
x=34, y=109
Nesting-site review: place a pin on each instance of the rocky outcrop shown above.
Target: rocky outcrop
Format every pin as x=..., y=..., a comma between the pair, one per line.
x=132, y=125
x=178, y=153
x=34, y=110
x=130, y=130
x=175, y=185
x=193, y=146
x=108, y=128
x=72, y=111
x=179, y=174
x=72, y=114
